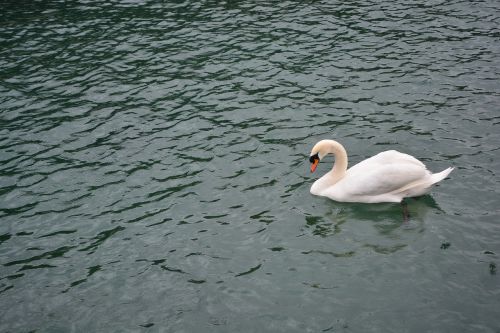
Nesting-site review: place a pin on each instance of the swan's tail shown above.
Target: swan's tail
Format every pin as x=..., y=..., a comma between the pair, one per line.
x=437, y=177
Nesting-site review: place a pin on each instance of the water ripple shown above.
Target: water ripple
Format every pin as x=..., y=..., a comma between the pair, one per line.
x=154, y=162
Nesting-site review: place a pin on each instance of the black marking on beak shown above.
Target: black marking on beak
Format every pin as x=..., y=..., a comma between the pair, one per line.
x=313, y=158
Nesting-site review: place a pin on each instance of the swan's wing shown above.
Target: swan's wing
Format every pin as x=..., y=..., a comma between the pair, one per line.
x=389, y=157
x=385, y=172
x=372, y=180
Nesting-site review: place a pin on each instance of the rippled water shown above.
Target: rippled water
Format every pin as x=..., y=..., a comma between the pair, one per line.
x=154, y=171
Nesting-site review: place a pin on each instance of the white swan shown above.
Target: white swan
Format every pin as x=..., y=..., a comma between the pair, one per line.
x=388, y=176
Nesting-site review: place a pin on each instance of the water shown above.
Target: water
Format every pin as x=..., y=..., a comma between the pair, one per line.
x=154, y=171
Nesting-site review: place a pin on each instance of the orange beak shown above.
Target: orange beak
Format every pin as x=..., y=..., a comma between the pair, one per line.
x=314, y=165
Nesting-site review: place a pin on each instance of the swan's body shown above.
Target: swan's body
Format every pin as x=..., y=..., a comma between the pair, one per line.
x=388, y=176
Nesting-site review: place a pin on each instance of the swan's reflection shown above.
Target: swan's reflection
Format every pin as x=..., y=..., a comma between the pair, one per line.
x=380, y=227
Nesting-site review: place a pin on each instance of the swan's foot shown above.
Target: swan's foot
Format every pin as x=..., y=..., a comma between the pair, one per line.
x=406, y=212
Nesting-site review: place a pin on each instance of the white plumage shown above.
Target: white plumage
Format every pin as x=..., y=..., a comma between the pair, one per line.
x=388, y=176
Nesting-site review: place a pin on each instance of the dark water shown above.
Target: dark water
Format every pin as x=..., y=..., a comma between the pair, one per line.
x=154, y=172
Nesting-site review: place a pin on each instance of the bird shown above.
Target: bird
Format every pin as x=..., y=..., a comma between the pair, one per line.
x=389, y=176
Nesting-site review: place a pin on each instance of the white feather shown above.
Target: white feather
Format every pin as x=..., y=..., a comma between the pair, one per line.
x=388, y=176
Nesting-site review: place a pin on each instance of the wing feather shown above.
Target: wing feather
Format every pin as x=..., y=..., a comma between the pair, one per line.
x=383, y=173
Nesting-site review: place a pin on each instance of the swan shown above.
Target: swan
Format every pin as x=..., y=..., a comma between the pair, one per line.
x=389, y=176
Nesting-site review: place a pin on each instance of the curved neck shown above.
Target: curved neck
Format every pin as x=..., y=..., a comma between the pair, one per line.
x=340, y=165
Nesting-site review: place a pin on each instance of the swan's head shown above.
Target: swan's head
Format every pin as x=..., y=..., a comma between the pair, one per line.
x=325, y=147
x=319, y=151
x=314, y=159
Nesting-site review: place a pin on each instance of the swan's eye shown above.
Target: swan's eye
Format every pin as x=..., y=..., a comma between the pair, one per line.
x=313, y=158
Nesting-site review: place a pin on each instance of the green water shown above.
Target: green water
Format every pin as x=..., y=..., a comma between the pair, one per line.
x=154, y=166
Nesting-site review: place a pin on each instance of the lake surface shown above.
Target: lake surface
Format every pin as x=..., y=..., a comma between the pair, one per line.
x=154, y=170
